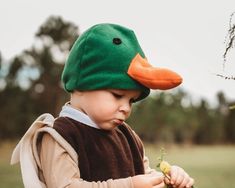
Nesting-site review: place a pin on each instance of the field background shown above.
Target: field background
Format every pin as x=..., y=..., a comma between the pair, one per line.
x=211, y=166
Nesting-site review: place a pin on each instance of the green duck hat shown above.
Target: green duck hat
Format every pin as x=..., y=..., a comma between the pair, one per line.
x=108, y=56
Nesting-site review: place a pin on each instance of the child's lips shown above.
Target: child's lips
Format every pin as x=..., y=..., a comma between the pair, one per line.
x=118, y=121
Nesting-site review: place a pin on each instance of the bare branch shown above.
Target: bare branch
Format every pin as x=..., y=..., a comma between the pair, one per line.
x=226, y=77
x=230, y=38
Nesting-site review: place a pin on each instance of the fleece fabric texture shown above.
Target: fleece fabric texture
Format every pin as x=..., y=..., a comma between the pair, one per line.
x=100, y=59
x=103, y=154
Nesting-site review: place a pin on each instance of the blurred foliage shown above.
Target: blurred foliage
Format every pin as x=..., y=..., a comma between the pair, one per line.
x=172, y=117
x=30, y=85
x=32, y=79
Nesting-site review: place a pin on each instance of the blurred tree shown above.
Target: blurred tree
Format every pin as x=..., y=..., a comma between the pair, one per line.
x=33, y=83
x=220, y=115
x=56, y=37
x=230, y=127
x=12, y=76
x=205, y=124
x=162, y=117
x=1, y=70
x=0, y=60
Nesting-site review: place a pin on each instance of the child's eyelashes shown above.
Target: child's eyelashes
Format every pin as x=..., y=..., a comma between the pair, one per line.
x=120, y=96
x=117, y=95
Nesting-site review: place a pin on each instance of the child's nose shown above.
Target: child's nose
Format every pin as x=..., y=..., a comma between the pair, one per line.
x=125, y=107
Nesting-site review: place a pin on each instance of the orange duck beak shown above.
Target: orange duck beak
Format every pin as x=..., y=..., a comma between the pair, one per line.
x=152, y=77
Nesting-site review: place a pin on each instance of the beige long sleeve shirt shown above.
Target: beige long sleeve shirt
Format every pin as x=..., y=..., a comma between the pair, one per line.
x=59, y=167
x=60, y=171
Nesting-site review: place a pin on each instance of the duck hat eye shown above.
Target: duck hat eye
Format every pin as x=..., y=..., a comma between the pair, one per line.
x=117, y=41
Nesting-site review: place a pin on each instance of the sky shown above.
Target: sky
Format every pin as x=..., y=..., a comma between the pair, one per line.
x=187, y=36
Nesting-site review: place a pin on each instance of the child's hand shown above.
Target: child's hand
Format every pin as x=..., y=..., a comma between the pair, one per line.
x=179, y=178
x=174, y=176
x=148, y=181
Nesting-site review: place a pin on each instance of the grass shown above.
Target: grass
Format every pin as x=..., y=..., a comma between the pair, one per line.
x=210, y=166
x=10, y=176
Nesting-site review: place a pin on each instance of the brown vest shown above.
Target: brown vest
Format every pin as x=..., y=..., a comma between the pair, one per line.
x=103, y=154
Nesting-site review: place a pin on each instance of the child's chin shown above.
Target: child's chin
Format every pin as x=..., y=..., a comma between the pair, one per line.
x=109, y=126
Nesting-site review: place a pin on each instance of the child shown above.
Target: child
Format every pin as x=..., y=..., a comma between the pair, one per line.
x=89, y=144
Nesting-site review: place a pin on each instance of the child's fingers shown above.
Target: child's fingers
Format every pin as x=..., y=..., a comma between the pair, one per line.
x=184, y=182
x=161, y=185
x=187, y=183
x=156, y=173
x=179, y=178
x=174, y=173
x=167, y=180
x=182, y=179
x=148, y=180
x=156, y=180
x=190, y=183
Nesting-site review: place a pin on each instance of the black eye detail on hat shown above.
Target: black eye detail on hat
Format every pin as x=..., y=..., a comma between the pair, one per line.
x=117, y=41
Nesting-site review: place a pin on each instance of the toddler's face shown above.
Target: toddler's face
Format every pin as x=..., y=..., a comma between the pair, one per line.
x=107, y=108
